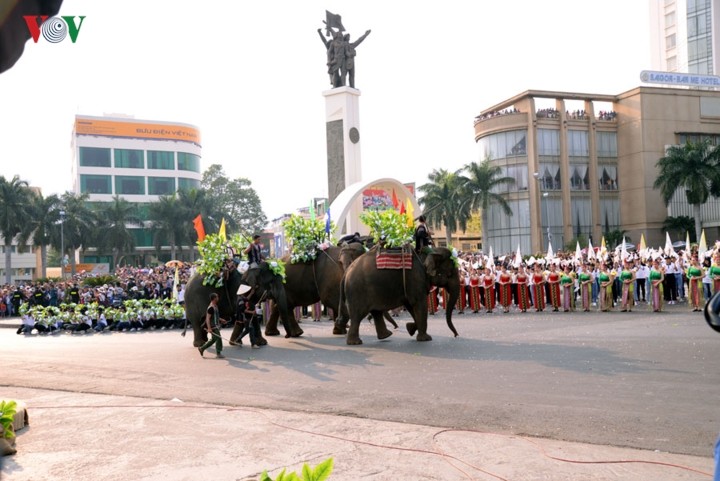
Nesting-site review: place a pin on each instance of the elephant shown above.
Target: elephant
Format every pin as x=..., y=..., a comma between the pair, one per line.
x=367, y=289
x=262, y=280
x=318, y=280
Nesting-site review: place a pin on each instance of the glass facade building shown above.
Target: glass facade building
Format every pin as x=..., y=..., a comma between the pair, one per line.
x=586, y=165
x=138, y=160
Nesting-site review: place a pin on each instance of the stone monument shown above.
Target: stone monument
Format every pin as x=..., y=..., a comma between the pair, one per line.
x=342, y=113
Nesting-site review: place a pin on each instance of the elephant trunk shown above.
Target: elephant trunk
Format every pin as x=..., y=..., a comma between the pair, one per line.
x=453, y=289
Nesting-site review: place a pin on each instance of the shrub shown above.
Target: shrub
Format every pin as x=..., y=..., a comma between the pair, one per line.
x=321, y=472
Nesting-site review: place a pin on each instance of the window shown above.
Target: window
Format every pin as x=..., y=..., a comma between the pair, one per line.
x=129, y=159
x=94, y=157
x=670, y=19
x=161, y=185
x=95, y=184
x=189, y=162
x=129, y=185
x=161, y=160
x=670, y=41
x=606, y=144
x=672, y=64
x=548, y=142
x=577, y=143
x=187, y=184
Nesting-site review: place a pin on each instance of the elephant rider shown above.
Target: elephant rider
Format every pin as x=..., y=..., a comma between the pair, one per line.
x=253, y=252
x=422, y=235
x=350, y=239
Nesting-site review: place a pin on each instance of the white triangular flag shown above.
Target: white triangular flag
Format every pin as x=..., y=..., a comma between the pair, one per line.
x=518, y=258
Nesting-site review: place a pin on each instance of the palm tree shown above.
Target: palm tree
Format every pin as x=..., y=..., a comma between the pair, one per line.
x=168, y=223
x=442, y=202
x=481, y=184
x=15, y=201
x=79, y=225
x=694, y=167
x=680, y=225
x=41, y=225
x=114, y=235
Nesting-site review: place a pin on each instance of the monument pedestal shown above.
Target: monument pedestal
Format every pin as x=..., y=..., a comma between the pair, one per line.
x=342, y=122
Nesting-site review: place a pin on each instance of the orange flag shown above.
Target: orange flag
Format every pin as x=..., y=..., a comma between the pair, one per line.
x=395, y=200
x=197, y=222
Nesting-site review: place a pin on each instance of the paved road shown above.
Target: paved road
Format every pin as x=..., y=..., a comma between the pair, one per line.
x=623, y=379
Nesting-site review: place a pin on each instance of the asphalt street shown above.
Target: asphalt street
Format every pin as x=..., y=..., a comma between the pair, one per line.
x=640, y=382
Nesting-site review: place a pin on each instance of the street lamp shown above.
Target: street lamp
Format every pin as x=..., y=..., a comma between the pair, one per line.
x=62, y=244
x=547, y=210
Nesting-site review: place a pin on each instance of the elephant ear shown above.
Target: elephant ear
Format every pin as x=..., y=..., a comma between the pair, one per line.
x=439, y=262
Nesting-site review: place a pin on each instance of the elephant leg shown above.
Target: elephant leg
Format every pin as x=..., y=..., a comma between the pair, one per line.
x=421, y=321
x=292, y=328
x=382, y=331
x=200, y=335
x=411, y=326
x=271, y=328
x=340, y=326
x=389, y=319
x=353, y=335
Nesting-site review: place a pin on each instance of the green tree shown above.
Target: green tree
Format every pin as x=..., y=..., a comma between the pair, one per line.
x=615, y=237
x=442, y=202
x=79, y=227
x=481, y=186
x=680, y=225
x=113, y=235
x=169, y=223
x=694, y=167
x=41, y=225
x=15, y=203
x=234, y=200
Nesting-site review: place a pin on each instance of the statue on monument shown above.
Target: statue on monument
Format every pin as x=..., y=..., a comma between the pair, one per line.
x=340, y=51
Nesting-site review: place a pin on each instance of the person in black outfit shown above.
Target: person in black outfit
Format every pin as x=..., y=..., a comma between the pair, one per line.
x=74, y=294
x=253, y=252
x=422, y=235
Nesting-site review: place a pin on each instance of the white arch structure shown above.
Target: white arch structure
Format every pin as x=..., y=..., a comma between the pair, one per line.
x=347, y=207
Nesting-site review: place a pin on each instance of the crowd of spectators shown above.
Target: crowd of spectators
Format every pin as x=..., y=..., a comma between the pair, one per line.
x=607, y=115
x=498, y=113
x=576, y=115
x=548, y=113
x=142, y=297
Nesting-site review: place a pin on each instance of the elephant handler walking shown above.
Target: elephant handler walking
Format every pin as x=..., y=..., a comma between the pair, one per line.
x=213, y=321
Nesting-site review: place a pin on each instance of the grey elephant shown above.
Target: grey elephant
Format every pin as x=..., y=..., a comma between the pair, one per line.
x=369, y=290
x=264, y=284
x=309, y=282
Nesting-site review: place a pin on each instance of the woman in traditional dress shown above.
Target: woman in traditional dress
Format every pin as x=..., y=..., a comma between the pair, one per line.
x=523, y=293
x=567, y=282
x=553, y=280
x=505, y=281
x=606, y=293
x=586, y=282
x=657, y=276
x=475, y=303
x=488, y=282
x=539, y=288
x=695, y=274
x=627, y=296
x=432, y=301
x=715, y=272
